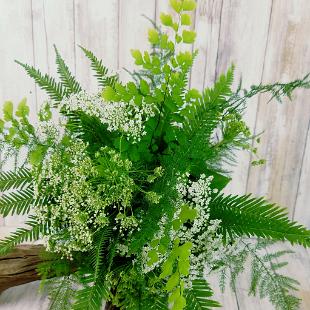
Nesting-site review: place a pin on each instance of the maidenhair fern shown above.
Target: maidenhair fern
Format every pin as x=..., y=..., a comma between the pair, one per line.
x=125, y=186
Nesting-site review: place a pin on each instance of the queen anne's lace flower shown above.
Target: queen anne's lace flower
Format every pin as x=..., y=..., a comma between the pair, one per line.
x=118, y=116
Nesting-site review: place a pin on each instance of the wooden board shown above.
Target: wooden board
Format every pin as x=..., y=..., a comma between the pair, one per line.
x=285, y=126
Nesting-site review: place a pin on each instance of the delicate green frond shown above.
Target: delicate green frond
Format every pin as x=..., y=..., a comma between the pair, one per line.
x=61, y=293
x=198, y=297
x=15, y=179
x=33, y=233
x=101, y=72
x=99, y=245
x=247, y=216
x=47, y=83
x=91, y=296
x=267, y=282
x=207, y=111
x=19, y=202
x=67, y=79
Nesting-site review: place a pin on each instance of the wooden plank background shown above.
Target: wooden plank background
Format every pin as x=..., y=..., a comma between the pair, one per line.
x=267, y=40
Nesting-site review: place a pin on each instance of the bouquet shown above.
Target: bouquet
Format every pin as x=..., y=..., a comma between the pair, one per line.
x=125, y=186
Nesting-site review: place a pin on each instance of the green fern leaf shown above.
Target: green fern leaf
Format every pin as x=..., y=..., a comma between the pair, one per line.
x=17, y=179
x=68, y=81
x=47, y=83
x=19, y=202
x=247, y=216
x=33, y=233
x=206, y=112
x=91, y=296
x=198, y=297
x=101, y=72
x=61, y=293
x=100, y=239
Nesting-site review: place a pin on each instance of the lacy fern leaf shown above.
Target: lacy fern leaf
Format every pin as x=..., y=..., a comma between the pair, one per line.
x=247, y=216
x=54, y=90
x=101, y=72
x=33, y=233
x=61, y=292
x=18, y=202
x=15, y=179
x=198, y=297
x=67, y=79
x=91, y=296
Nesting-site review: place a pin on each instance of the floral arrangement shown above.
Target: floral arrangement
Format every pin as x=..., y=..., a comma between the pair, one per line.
x=125, y=186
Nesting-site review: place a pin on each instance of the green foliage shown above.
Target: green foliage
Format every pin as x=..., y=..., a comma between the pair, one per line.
x=19, y=202
x=246, y=216
x=101, y=72
x=15, y=180
x=198, y=297
x=68, y=81
x=61, y=292
x=265, y=279
x=35, y=232
x=91, y=296
x=54, y=90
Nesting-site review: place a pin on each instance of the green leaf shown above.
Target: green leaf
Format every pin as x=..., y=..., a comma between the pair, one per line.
x=144, y=87
x=153, y=257
x=185, y=20
x=19, y=202
x=67, y=79
x=8, y=111
x=22, y=109
x=36, y=156
x=176, y=5
x=153, y=36
x=198, y=297
x=167, y=268
x=35, y=232
x=173, y=282
x=187, y=213
x=247, y=216
x=108, y=94
x=166, y=19
x=189, y=5
x=15, y=180
x=54, y=90
x=1, y=125
x=136, y=54
x=188, y=36
x=101, y=72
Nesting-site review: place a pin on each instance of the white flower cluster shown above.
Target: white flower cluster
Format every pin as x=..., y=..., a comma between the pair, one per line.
x=128, y=118
x=146, y=249
x=76, y=206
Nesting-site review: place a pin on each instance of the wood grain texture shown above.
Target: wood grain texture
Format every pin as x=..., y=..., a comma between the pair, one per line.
x=247, y=52
x=19, y=266
x=284, y=126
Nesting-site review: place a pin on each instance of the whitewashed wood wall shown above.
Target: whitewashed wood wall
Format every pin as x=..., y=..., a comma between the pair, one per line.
x=268, y=40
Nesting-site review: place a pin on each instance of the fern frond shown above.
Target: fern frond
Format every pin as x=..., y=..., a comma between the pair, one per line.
x=33, y=233
x=47, y=83
x=19, y=202
x=61, y=293
x=197, y=298
x=15, y=179
x=101, y=72
x=247, y=216
x=97, y=258
x=207, y=110
x=90, y=297
x=67, y=79
x=267, y=282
